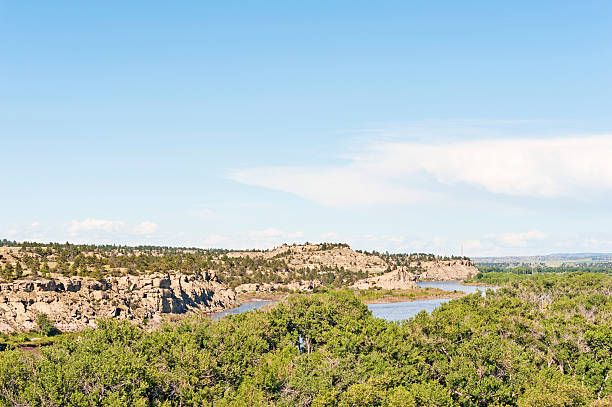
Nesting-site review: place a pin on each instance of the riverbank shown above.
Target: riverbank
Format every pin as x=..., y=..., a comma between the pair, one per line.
x=393, y=299
x=370, y=296
x=261, y=296
x=374, y=296
x=473, y=283
x=468, y=282
x=423, y=298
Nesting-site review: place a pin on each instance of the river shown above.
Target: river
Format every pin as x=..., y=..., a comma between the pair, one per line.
x=395, y=311
x=244, y=307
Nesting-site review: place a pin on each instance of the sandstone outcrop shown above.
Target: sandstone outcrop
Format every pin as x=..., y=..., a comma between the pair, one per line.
x=76, y=303
x=446, y=270
x=394, y=280
x=296, y=286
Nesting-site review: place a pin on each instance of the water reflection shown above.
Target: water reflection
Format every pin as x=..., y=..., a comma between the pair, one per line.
x=399, y=311
x=396, y=311
x=244, y=307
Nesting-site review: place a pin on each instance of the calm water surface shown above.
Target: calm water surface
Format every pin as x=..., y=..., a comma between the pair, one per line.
x=244, y=307
x=396, y=311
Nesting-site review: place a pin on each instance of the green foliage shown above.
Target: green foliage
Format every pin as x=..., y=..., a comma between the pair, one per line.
x=551, y=388
x=45, y=325
x=542, y=341
x=18, y=270
x=496, y=278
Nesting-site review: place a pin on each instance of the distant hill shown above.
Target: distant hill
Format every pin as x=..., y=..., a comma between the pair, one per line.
x=331, y=263
x=548, y=260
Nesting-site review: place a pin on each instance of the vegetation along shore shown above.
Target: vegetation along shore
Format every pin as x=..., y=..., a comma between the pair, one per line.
x=541, y=341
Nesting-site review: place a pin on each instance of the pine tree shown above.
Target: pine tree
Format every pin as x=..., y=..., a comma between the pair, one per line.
x=18, y=271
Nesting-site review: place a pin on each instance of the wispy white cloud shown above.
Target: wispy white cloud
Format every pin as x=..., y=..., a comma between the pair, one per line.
x=330, y=235
x=32, y=232
x=473, y=244
x=407, y=172
x=217, y=241
x=429, y=245
x=595, y=243
x=331, y=186
x=145, y=228
x=95, y=225
x=520, y=239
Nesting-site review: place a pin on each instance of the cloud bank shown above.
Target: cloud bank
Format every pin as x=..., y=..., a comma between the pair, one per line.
x=409, y=172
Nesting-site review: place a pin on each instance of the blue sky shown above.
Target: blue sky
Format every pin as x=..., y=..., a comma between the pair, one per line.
x=400, y=126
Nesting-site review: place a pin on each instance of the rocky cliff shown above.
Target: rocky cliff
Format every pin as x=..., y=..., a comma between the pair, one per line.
x=295, y=286
x=405, y=278
x=76, y=303
x=446, y=270
x=394, y=280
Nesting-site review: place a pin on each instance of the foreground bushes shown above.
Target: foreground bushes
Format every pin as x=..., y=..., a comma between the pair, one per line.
x=538, y=342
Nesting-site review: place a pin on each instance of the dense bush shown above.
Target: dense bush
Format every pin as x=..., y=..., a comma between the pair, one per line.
x=537, y=342
x=45, y=325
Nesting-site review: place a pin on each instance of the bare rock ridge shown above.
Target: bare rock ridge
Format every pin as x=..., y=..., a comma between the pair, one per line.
x=76, y=303
x=311, y=256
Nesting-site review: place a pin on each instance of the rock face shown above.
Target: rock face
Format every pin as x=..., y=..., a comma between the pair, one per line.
x=394, y=280
x=296, y=286
x=446, y=270
x=76, y=303
x=436, y=270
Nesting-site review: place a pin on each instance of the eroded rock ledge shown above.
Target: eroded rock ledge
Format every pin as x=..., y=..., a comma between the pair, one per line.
x=394, y=280
x=296, y=286
x=76, y=303
x=447, y=270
